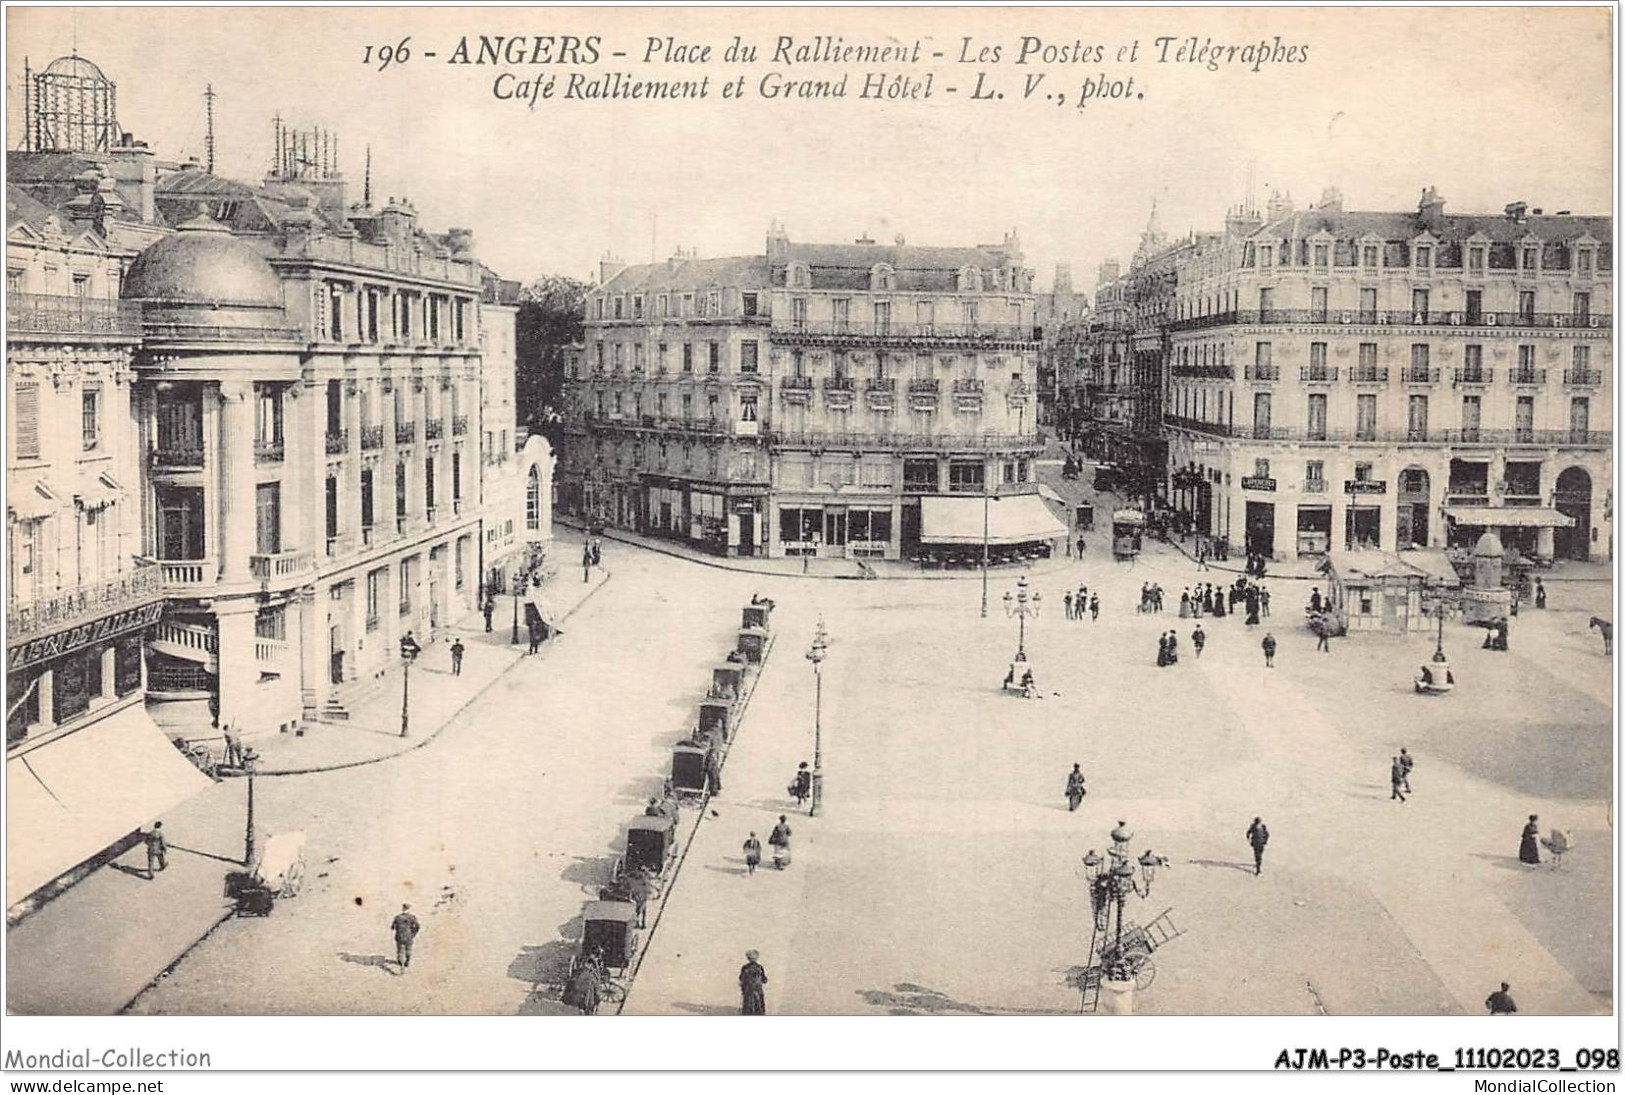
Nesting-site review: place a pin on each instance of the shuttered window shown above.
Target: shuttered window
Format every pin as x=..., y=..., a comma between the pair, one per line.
x=25, y=422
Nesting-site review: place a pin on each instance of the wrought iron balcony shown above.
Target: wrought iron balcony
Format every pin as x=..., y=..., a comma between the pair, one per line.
x=459, y=425
x=36, y=314
x=1464, y=377
x=1318, y=374
x=839, y=384
x=406, y=433
x=1413, y=374
x=172, y=455
x=1314, y=486
x=1262, y=372
x=1205, y=372
x=433, y=429
x=901, y=442
x=890, y=333
x=1526, y=376
x=795, y=382
x=1368, y=374
x=1333, y=317
x=268, y=451
x=68, y=607
x=372, y=437
x=338, y=442
x=1582, y=378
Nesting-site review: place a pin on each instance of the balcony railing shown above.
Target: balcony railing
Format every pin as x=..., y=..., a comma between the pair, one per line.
x=268, y=452
x=839, y=384
x=1526, y=376
x=1263, y=372
x=280, y=565
x=1368, y=374
x=406, y=433
x=883, y=331
x=1572, y=438
x=1582, y=378
x=971, y=386
x=1406, y=318
x=1205, y=372
x=1314, y=486
x=1473, y=376
x=459, y=425
x=171, y=677
x=1413, y=374
x=49, y=314
x=214, y=332
x=269, y=651
x=372, y=437
x=338, y=442
x=434, y=429
x=1318, y=374
x=892, y=442
x=67, y=607
x=184, y=574
x=176, y=456
x=796, y=383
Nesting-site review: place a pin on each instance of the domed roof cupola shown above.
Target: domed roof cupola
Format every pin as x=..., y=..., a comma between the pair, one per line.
x=203, y=265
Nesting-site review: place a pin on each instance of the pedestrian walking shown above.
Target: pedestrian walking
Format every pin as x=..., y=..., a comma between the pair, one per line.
x=586, y=562
x=1529, y=845
x=1323, y=638
x=1263, y=601
x=1156, y=598
x=1406, y=763
x=1067, y=602
x=1185, y=605
x=1314, y=599
x=713, y=774
x=1081, y=546
x=1173, y=648
x=597, y=551
x=457, y=657
x=1269, y=651
x=752, y=986
x=779, y=841
x=801, y=787
x=1540, y=594
x=234, y=746
x=1075, y=789
x=1198, y=639
x=1500, y=1002
x=1258, y=835
x=1396, y=777
x=157, y=849
x=753, y=853
x=489, y=607
x=1162, y=651
x=1094, y=607
x=535, y=627
x=405, y=926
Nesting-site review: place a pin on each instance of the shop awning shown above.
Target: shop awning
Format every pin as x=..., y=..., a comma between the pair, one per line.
x=1018, y=519
x=33, y=501
x=71, y=798
x=97, y=491
x=1508, y=517
x=1361, y=565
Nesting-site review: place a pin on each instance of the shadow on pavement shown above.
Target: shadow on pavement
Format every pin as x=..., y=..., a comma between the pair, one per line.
x=703, y=1009
x=589, y=872
x=1244, y=867
x=1510, y=862
x=377, y=961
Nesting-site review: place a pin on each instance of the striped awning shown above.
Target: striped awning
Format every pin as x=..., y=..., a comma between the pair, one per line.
x=1508, y=517
x=33, y=502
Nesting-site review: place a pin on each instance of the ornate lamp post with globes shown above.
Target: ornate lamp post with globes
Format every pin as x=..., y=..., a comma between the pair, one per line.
x=816, y=654
x=1021, y=605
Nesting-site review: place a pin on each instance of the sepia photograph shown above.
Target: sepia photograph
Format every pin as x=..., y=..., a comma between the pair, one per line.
x=695, y=511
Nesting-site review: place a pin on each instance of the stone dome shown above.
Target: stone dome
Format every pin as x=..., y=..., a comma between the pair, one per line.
x=203, y=265
x=1488, y=547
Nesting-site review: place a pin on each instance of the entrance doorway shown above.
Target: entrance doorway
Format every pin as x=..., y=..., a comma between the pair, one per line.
x=1261, y=528
x=1363, y=527
x=835, y=532
x=1411, y=520
x=1573, y=499
x=747, y=532
x=335, y=655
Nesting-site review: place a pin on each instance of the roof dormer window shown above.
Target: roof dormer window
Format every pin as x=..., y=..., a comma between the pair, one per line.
x=883, y=278
x=1531, y=258
x=620, y=307
x=970, y=280
x=1424, y=258
x=1370, y=253
x=800, y=276
x=1477, y=258
x=1585, y=261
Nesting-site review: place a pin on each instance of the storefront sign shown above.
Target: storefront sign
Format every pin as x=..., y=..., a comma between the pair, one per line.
x=1365, y=486
x=1256, y=482
x=65, y=642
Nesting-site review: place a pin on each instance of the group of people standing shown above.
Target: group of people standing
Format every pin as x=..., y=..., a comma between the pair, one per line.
x=1150, y=598
x=1082, y=604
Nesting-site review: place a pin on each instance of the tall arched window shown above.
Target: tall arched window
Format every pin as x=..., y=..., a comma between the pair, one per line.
x=533, y=500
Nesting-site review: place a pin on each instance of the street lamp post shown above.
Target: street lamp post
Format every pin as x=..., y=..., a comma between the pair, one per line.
x=409, y=654
x=250, y=758
x=1111, y=880
x=1022, y=605
x=820, y=647
x=519, y=580
x=986, y=505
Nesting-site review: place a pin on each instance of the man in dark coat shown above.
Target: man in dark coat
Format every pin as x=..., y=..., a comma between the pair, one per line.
x=752, y=986
x=1406, y=763
x=1198, y=639
x=1500, y=1001
x=1074, y=788
x=586, y=562
x=489, y=607
x=1258, y=835
x=1396, y=777
x=157, y=849
x=405, y=926
x=1269, y=651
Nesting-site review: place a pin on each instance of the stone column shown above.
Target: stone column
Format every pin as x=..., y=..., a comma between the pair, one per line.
x=350, y=499
x=1545, y=545
x=383, y=498
x=239, y=669
x=314, y=680
x=237, y=496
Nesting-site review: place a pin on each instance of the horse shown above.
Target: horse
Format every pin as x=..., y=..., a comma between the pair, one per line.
x=1607, y=630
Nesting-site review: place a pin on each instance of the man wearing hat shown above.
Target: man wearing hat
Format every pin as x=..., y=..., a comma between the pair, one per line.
x=752, y=978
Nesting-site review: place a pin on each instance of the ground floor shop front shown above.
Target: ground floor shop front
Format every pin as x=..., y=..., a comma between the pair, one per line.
x=1284, y=501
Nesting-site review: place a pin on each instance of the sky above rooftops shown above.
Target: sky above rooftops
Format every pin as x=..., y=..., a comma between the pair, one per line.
x=1490, y=106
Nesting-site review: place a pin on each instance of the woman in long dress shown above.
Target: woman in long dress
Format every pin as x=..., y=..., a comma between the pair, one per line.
x=1529, y=846
x=752, y=979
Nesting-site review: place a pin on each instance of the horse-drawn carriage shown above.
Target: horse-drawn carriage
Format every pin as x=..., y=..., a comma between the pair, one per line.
x=278, y=872
x=609, y=941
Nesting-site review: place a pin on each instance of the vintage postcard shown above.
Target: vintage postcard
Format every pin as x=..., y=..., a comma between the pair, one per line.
x=837, y=512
